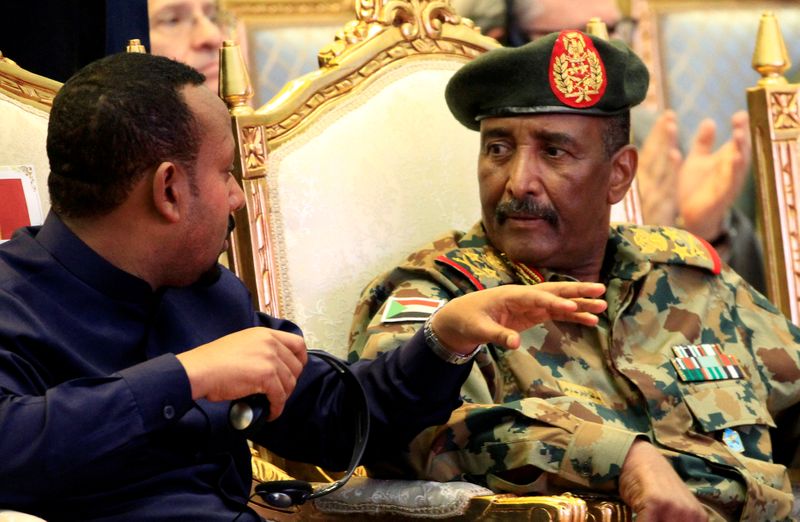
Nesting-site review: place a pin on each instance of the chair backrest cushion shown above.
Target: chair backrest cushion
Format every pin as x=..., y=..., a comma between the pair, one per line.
x=369, y=182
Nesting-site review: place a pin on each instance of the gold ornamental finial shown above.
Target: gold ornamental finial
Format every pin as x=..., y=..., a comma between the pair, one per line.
x=597, y=27
x=770, y=58
x=135, y=46
x=234, y=82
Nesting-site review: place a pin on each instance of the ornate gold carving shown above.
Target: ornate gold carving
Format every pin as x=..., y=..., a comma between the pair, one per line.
x=255, y=190
x=416, y=19
x=384, y=32
x=234, y=81
x=135, y=46
x=784, y=110
x=27, y=87
x=770, y=57
x=253, y=147
x=347, y=84
x=785, y=156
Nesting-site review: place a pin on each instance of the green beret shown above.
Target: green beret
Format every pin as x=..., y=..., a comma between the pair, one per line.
x=566, y=72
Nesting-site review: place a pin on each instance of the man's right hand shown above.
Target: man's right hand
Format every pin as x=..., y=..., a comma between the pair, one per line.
x=256, y=360
x=653, y=490
x=497, y=315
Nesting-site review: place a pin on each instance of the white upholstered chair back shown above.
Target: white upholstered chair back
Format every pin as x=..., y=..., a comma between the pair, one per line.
x=375, y=176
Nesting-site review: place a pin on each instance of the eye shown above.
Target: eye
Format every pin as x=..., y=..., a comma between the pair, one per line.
x=168, y=19
x=497, y=149
x=554, y=152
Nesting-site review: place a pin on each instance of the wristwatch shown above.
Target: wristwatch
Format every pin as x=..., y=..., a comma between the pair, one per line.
x=444, y=353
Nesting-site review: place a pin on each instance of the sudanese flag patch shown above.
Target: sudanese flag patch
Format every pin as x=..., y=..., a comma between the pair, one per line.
x=402, y=309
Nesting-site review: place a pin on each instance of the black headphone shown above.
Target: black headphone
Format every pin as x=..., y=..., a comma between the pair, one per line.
x=250, y=414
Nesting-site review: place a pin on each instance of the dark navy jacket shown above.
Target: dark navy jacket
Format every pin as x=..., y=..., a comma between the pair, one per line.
x=96, y=416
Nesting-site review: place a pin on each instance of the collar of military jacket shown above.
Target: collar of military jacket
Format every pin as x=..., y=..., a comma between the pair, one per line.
x=635, y=249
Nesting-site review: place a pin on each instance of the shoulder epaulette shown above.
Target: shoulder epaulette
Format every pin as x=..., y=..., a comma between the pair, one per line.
x=481, y=266
x=672, y=246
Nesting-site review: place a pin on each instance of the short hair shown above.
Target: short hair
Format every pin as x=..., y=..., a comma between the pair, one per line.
x=113, y=121
x=617, y=133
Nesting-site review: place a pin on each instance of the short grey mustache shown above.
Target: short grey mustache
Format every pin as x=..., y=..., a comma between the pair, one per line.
x=527, y=207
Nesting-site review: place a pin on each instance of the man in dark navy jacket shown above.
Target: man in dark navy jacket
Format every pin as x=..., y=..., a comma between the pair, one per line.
x=122, y=340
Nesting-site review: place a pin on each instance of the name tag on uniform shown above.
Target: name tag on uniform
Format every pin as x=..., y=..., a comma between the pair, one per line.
x=576, y=391
x=705, y=362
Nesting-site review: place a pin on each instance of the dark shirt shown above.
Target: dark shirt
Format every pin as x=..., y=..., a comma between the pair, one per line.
x=97, y=421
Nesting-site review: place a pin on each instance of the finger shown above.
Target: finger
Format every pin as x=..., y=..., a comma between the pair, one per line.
x=740, y=119
x=594, y=306
x=294, y=343
x=277, y=387
x=584, y=318
x=704, y=138
x=573, y=290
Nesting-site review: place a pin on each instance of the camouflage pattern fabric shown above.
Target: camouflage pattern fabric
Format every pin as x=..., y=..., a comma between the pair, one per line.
x=561, y=412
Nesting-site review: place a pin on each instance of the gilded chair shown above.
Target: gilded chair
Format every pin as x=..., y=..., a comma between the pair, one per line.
x=25, y=101
x=774, y=107
x=346, y=170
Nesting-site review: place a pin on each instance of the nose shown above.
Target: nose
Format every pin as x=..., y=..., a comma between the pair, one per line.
x=525, y=176
x=236, y=195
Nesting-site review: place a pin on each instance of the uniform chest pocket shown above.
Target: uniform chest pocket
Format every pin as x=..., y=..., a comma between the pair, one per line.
x=725, y=404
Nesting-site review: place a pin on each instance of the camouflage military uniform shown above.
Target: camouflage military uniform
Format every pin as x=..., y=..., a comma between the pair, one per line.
x=572, y=400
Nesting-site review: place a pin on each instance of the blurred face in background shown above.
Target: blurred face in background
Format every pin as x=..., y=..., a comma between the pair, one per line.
x=540, y=17
x=187, y=31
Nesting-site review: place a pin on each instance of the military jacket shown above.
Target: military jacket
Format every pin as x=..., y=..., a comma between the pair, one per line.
x=561, y=412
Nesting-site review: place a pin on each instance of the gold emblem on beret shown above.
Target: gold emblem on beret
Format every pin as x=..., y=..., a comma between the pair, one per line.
x=577, y=74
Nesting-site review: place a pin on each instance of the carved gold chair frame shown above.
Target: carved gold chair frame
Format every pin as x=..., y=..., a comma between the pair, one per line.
x=25, y=86
x=774, y=107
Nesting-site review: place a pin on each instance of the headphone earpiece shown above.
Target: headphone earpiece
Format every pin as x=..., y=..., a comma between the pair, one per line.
x=284, y=493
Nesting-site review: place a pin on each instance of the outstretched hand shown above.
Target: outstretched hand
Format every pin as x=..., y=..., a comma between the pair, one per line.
x=497, y=315
x=709, y=181
x=698, y=189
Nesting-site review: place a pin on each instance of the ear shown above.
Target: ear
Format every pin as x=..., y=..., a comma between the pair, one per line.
x=623, y=169
x=170, y=191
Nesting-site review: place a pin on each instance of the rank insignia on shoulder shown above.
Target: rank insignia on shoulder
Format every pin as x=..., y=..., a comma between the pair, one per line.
x=705, y=362
x=733, y=440
x=409, y=309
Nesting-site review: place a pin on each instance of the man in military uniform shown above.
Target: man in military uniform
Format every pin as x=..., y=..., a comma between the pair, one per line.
x=669, y=399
